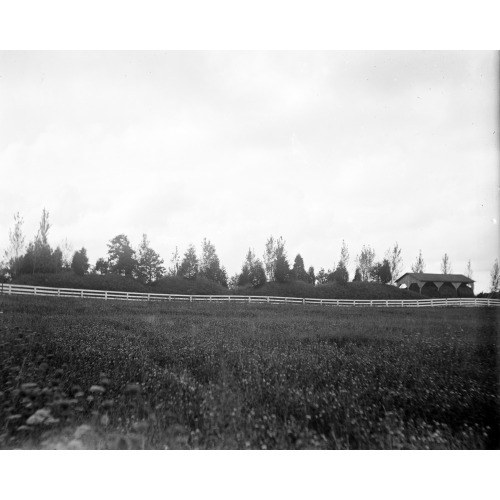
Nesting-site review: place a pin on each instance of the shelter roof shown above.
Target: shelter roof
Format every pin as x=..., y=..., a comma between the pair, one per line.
x=460, y=278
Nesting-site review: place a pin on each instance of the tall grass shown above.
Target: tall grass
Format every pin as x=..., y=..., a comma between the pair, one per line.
x=93, y=374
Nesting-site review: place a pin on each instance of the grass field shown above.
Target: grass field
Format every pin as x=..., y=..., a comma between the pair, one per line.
x=95, y=374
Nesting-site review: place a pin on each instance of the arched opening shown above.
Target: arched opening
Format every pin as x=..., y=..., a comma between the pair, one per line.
x=430, y=290
x=465, y=291
x=414, y=288
x=447, y=290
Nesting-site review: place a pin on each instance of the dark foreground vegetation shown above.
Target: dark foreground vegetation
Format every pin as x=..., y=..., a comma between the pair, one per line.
x=93, y=374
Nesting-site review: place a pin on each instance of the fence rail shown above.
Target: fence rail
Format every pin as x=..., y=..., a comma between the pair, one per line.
x=11, y=289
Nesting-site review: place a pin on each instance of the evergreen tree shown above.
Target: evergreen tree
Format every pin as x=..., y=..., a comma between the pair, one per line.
x=80, y=262
x=311, y=276
x=189, y=265
x=121, y=256
x=298, y=271
x=150, y=264
x=252, y=271
x=357, y=275
x=210, y=267
x=340, y=275
x=281, y=266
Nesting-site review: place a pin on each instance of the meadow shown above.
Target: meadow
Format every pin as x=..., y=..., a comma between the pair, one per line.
x=89, y=374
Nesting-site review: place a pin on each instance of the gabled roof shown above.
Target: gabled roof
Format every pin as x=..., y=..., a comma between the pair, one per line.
x=438, y=277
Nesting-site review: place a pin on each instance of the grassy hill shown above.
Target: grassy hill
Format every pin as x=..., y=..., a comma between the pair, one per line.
x=201, y=286
x=353, y=290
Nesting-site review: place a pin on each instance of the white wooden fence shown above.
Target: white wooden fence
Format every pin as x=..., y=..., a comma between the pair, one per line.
x=45, y=291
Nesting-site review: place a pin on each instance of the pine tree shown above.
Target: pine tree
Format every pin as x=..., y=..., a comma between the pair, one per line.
x=121, y=256
x=150, y=264
x=80, y=262
x=189, y=265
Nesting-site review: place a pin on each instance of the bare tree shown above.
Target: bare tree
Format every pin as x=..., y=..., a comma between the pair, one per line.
x=344, y=255
x=495, y=277
x=419, y=266
x=67, y=253
x=269, y=258
x=173, y=270
x=468, y=270
x=445, y=264
x=16, y=246
x=393, y=256
x=365, y=261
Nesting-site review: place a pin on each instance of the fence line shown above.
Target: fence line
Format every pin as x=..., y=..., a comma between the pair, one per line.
x=11, y=289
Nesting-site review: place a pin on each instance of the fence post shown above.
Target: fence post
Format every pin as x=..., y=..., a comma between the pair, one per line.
x=105, y=295
x=81, y=294
x=489, y=302
x=249, y=299
x=34, y=292
x=386, y=303
x=149, y=296
x=320, y=302
x=127, y=295
x=58, y=292
x=190, y=298
x=268, y=299
x=303, y=301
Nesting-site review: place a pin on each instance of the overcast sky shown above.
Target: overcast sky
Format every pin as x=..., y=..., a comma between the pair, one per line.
x=369, y=147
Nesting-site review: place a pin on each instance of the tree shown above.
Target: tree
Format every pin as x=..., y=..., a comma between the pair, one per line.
x=445, y=264
x=419, y=266
x=381, y=272
x=67, y=254
x=150, y=264
x=298, y=271
x=270, y=258
x=175, y=260
x=252, y=271
x=340, y=275
x=57, y=260
x=393, y=255
x=357, y=275
x=281, y=266
x=13, y=254
x=468, y=270
x=311, y=276
x=121, y=256
x=344, y=255
x=189, y=265
x=101, y=266
x=210, y=267
x=39, y=250
x=321, y=277
x=80, y=262
x=365, y=262
x=495, y=277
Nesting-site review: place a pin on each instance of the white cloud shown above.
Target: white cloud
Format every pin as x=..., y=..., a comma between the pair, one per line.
x=318, y=147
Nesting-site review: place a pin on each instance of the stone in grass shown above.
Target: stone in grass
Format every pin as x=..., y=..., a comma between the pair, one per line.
x=82, y=430
x=97, y=389
x=42, y=417
x=133, y=389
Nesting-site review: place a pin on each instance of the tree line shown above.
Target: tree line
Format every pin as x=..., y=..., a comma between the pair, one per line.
x=146, y=265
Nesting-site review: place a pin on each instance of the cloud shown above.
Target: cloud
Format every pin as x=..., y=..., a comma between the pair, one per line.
x=370, y=147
